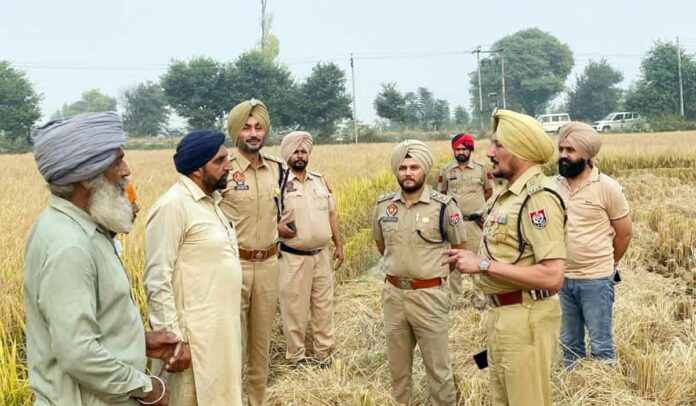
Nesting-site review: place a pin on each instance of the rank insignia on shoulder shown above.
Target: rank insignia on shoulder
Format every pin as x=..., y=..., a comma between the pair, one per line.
x=454, y=219
x=385, y=196
x=538, y=218
x=533, y=187
x=439, y=197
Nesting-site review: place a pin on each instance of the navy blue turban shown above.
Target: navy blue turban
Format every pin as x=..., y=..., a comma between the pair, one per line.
x=196, y=149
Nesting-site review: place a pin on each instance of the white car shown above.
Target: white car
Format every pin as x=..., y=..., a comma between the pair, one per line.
x=553, y=122
x=620, y=120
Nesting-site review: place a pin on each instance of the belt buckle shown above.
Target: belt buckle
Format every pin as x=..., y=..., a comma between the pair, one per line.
x=259, y=254
x=493, y=300
x=403, y=284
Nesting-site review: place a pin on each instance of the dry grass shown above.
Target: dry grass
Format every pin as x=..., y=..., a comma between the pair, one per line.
x=654, y=324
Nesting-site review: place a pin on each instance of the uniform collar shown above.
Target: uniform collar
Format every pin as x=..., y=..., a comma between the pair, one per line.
x=195, y=191
x=520, y=183
x=469, y=164
x=293, y=176
x=424, y=198
x=80, y=216
x=244, y=163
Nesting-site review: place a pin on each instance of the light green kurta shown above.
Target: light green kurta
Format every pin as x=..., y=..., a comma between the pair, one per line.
x=85, y=339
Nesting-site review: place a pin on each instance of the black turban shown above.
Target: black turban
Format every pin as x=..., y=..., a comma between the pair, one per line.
x=196, y=149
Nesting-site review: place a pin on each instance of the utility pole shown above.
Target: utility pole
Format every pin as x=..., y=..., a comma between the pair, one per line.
x=355, y=109
x=681, y=85
x=477, y=51
x=502, y=75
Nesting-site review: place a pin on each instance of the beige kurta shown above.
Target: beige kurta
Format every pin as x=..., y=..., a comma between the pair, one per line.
x=193, y=279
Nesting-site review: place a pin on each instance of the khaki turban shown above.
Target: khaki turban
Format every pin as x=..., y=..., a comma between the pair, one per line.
x=293, y=141
x=582, y=137
x=79, y=147
x=415, y=149
x=240, y=114
x=523, y=136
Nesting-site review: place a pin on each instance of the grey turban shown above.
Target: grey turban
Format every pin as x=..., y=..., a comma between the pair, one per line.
x=79, y=147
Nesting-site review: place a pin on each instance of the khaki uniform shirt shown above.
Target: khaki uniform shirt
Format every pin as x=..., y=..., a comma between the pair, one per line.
x=85, y=338
x=308, y=204
x=542, y=228
x=591, y=208
x=465, y=185
x=406, y=253
x=194, y=279
x=251, y=200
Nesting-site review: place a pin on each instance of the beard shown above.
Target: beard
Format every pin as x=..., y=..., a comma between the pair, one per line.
x=462, y=158
x=250, y=148
x=215, y=184
x=571, y=169
x=299, y=165
x=411, y=188
x=109, y=206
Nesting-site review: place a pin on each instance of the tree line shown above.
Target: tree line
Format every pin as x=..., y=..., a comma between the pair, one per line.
x=537, y=66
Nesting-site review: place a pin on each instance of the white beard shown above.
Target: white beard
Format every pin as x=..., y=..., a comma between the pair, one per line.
x=109, y=206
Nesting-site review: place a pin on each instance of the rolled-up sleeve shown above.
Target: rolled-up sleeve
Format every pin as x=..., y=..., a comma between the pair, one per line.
x=164, y=232
x=67, y=301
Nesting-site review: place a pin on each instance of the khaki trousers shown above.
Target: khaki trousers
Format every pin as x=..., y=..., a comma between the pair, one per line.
x=259, y=303
x=474, y=237
x=522, y=345
x=418, y=317
x=306, y=286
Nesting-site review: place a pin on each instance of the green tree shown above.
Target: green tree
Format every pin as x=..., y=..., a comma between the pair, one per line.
x=257, y=76
x=441, y=115
x=412, y=110
x=19, y=103
x=537, y=65
x=323, y=100
x=390, y=104
x=268, y=44
x=461, y=117
x=146, y=112
x=596, y=92
x=426, y=108
x=92, y=101
x=657, y=91
x=199, y=90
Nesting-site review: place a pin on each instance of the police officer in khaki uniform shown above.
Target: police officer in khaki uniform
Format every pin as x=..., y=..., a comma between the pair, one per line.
x=307, y=226
x=412, y=227
x=251, y=202
x=520, y=264
x=467, y=182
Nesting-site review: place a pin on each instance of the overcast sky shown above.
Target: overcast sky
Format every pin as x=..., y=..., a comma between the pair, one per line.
x=69, y=46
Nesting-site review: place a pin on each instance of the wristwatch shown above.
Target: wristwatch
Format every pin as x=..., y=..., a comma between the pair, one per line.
x=484, y=264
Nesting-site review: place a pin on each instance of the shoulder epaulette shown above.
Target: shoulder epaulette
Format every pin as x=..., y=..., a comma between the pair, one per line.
x=385, y=196
x=533, y=186
x=440, y=197
x=272, y=158
x=317, y=174
x=478, y=163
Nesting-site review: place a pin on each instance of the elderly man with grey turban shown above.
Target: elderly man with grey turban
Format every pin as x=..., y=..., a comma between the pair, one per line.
x=412, y=227
x=599, y=232
x=307, y=226
x=85, y=342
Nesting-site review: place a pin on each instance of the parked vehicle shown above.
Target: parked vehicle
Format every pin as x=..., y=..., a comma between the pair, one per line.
x=616, y=121
x=553, y=122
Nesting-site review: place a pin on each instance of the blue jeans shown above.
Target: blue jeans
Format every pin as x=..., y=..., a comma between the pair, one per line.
x=587, y=303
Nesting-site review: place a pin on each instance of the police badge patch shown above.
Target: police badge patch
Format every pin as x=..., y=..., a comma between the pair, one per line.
x=538, y=218
x=454, y=219
x=238, y=178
